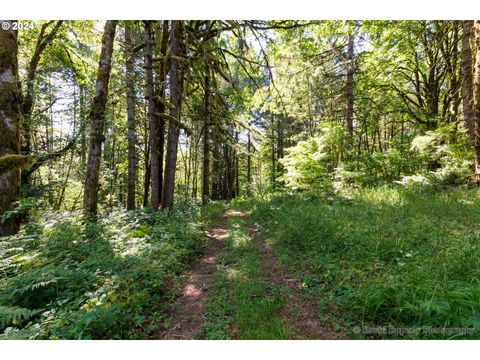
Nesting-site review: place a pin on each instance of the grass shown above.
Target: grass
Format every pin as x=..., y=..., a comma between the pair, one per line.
x=243, y=304
x=372, y=258
x=62, y=278
x=382, y=257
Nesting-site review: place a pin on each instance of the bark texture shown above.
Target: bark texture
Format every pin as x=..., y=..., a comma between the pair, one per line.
x=161, y=86
x=467, y=77
x=129, y=86
x=10, y=114
x=206, y=137
x=476, y=94
x=249, y=162
x=97, y=120
x=216, y=174
x=153, y=120
x=176, y=84
x=350, y=74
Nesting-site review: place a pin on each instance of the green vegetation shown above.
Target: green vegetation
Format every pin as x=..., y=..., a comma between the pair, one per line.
x=381, y=257
x=12, y=161
x=63, y=279
x=354, y=147
x=244, y=305
x=326, y=162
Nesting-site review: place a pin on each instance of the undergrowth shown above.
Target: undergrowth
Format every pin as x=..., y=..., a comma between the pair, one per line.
x=62, y=278
x=383, y=257
x=243, y=304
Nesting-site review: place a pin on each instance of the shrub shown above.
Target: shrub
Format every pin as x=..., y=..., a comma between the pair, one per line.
x=105, y=280
x=309, y=164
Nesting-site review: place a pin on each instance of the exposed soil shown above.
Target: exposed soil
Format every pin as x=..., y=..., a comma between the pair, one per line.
x=300, y=314
x=191, y=306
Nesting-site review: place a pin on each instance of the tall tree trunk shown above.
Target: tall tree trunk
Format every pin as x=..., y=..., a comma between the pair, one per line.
x=146, y=179
x=10, y=114
x=249, y=163
x=154, y=123
x=195, y=171
x=454, y=81
x=215, y=166
x=159, y=105
x=83, y=128
x=129, y=87
x=476, y=94
x=97, y=120
x=206, y=137
x=280, y=136
x=188, y=165
x=274, y=167
x=467, y=81
x=176, y=84
x=237, y=169
x=113, y=177
x=350, y=73
x=230, y=171
x=146, y=157
x=226, y=173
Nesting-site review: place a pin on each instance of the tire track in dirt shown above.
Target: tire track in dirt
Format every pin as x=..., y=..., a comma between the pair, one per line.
x=190, y=308
x=188, y=314
x=300, y=314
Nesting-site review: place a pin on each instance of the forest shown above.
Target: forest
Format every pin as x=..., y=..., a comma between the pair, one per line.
x=239, y=179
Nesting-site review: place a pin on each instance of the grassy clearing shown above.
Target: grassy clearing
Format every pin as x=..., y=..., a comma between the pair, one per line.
x=382, y=257
x=64, y=279
x=243, y=304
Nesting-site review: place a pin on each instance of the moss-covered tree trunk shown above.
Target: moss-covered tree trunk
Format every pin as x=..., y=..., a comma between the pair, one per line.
x=476, y=94
x=97, y=120
x=467, y=82
x=9, y=126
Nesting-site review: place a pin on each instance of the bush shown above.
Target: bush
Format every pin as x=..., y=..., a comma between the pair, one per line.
x=447, y=156
x=309, y=164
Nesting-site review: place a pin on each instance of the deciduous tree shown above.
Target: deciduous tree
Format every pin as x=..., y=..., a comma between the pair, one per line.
x=97, y=120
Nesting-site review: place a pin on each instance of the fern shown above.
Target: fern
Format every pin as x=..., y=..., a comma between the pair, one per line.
x=9, y=314
x=34, y=286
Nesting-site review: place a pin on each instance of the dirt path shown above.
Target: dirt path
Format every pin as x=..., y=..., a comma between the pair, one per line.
x=191, y=306
x=300, y=315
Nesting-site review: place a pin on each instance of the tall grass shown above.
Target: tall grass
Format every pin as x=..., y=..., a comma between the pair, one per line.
x=382, y=257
